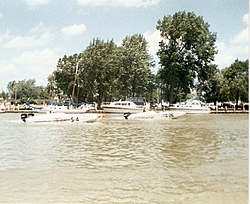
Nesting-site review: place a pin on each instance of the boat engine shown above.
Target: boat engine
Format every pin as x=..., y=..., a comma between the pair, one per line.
x=24, y=116
x=126, y=115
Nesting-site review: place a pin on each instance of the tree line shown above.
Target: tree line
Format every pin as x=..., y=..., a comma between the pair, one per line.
x=105, y=71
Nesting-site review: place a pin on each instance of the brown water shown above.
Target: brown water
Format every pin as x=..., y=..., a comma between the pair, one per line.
x=192, y=159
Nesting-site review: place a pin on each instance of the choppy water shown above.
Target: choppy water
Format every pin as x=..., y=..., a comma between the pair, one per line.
x=192, y=159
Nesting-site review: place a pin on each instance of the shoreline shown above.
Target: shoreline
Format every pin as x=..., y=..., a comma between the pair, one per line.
x=228, y=111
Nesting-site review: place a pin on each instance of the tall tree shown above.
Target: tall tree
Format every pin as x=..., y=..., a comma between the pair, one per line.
x=64, y=77
x=186, y=52
x=135, y=66
x=235, y=83
x=99, y=69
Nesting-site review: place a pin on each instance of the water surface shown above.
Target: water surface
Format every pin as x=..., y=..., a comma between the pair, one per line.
x=192, y=159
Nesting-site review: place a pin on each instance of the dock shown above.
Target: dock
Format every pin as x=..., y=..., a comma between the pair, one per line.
x=229, y=111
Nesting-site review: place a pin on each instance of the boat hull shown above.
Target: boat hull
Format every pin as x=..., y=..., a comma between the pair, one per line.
x=153, y=115
x=60, y=117
x=121, y=109
x=190, y=110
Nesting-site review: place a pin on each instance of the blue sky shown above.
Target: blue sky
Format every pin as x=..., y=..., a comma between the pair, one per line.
x=34, y=34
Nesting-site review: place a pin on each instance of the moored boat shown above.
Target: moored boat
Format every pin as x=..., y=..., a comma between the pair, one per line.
x=133, y=105
x=194, y=107
x=63, y=108
x=2, y=108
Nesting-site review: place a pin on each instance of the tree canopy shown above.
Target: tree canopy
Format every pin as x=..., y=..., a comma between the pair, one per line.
x=186, y=52
x=235, y=82
x=26, y=90
x=111, y=71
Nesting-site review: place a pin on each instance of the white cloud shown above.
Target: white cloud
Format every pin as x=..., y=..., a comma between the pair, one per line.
x=237, y=48
x=23, y=42
x=241, y=37
x=8, y=72
x=35, y=65
x=34, y=3
x=6, y=68
x=44, y=57
x=5, y=37
x=246, y=18
x=125, y=3
x=73, y=30
x=227, y=54
x=153, y=40
x=39, y=28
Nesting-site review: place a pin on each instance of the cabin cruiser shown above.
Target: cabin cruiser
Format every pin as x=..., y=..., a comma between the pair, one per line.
x=194, y=106
x=130, y=105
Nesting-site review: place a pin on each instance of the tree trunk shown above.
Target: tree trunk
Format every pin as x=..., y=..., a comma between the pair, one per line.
x=171, y=95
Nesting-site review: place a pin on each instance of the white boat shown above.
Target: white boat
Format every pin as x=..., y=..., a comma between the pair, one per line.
x=64, y=109
x=60, y=117
x=194, y=106
x=123, y=106
x=153, y=115
x=61, y=108
x=2, y=108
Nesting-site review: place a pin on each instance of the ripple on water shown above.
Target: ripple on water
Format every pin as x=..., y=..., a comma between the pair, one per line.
x=193, y=159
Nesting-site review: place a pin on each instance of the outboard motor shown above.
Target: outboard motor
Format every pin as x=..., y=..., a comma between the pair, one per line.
x=126, y=115
x=24, y=116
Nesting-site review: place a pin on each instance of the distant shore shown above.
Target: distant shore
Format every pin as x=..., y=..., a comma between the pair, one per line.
x=220, y=111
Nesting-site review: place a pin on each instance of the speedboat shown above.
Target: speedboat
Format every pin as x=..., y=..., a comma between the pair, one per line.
x=153, y=115
x=194, y=106
x=60, y=117
x=123, y=106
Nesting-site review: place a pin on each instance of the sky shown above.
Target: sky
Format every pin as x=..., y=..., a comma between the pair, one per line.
x=34, y=34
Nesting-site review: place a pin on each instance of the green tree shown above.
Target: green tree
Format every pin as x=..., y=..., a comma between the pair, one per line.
x=12, y=89
x=25, y=90
x=210, y=87
x=99, y=69
x=235, y=84
x=135, y=67
x=110, y=71
x=186, y=52
x=4, y=95
x=64, y=77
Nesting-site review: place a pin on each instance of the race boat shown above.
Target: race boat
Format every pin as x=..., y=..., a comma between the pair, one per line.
x=153, y=115
x=60, y=117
